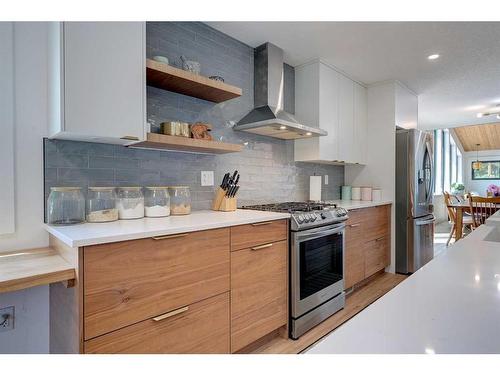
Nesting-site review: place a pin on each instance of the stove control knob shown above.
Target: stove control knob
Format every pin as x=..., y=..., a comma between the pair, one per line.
x=313, y=217
x=307, y=217
x=300, y=219
x=323, y=215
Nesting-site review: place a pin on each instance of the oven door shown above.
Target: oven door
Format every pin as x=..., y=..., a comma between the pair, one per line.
x=317, y=267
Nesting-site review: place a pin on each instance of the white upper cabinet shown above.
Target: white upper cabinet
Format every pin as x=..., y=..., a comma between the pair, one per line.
x=329, y=100
x=97, y=81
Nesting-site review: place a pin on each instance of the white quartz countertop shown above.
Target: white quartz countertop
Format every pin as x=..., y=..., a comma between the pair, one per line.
x=97, y=233
x=451, y=305
x=354, y=205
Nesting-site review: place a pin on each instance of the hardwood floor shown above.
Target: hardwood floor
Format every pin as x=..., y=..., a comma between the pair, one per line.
x=378, y=285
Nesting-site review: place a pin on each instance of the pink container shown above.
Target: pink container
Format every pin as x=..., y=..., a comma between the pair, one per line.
x=366, y=193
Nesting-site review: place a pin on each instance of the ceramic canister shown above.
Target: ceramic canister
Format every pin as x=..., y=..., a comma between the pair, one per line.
x=356, y=194
x=376, y=195
x=346, y=193
x=366, y=193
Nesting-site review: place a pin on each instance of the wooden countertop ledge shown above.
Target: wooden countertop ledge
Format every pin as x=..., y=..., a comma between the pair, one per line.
x=28, y=268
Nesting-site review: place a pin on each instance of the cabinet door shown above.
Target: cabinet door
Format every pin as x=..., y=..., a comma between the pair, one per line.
x=377, y=255
x=199, y=328
x=360, y=124
x=354, y=253
x=328, y=113
x=346, y=119
x=258, y=292
x=104, y=79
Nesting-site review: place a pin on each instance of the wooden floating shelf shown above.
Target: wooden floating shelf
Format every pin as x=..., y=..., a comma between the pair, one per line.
x=28, y=268
x=169, y=78
x=183, y=144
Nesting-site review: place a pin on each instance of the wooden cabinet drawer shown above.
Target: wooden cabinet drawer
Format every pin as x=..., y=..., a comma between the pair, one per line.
x=377, y=255
x=127, y=282
x=248, y=235
x=354, y=253
x=258, y=292
x=202, y=328
x=378, y=223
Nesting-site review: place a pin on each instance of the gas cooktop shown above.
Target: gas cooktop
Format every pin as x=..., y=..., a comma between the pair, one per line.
x=305, y=215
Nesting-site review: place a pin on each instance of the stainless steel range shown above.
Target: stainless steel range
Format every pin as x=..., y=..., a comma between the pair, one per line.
x=316, y=261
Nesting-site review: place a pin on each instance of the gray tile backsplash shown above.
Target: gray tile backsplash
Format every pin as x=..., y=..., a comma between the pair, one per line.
x=268, y=172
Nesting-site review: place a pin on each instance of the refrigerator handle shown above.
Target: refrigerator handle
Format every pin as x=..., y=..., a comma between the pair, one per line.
x=425, y=222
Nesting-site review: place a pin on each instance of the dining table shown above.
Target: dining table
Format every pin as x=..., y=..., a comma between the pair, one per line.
x=460, y=208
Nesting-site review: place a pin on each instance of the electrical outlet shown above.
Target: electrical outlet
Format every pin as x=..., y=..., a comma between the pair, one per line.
x=326, y=179
x=7, y=319
x=207, y=178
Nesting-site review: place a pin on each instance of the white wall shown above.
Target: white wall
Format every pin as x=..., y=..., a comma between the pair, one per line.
x=406, y=107
x=381, y=149
x=31, y=333
x=478, y=186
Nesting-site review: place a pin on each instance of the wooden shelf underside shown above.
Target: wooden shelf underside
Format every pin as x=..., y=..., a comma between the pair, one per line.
x=183, y=144
x=28, y=268
x=169, y=78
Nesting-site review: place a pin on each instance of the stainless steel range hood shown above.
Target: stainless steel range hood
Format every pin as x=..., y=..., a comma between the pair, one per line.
x=268, y=117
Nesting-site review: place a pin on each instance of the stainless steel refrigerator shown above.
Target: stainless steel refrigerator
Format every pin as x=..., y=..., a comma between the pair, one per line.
x=414, y=207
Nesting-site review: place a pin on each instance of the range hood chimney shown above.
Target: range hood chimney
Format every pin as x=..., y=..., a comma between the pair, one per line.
x=268, y=117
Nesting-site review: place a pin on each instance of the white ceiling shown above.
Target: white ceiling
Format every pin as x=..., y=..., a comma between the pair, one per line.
x=451, y=89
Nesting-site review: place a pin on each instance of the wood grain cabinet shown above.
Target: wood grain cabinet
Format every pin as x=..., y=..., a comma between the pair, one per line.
x=367, y=243
x=258, y=292
x=212, y=291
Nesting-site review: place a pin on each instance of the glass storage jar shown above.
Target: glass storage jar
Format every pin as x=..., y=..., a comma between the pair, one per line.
x=65, y=206
x=180, y=200
x=101, y=205
x=130, y=202
x=156, y=201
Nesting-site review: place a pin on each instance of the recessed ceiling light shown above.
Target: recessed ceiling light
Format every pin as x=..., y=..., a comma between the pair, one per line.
x=308, y=133
x=282, y=127
x=479, y=115
x=433, y=57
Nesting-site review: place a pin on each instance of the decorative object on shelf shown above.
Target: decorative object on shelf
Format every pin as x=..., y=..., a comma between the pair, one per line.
x=366, y=193
x=65, y=206
x=224, y=199
x=200, y=130
x=477, y=164
x=177, y=128
x=216, y=78
x=346, y=193
x=190, y=65
x=180, y=200
x=356, y=193
x=162, y=59
x=376, y=195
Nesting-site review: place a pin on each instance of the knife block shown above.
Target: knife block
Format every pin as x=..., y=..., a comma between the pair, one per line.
x=223, y=203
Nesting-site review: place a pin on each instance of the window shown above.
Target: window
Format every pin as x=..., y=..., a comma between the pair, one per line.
x=447, y=161
x=490, y=170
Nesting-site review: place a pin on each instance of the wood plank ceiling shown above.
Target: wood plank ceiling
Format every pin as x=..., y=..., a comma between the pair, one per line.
x=487, y=135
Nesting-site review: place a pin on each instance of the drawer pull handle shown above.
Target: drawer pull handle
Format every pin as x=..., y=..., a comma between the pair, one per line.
x=130, y=138
x=264, y=223
x=167, y=237
x=379, y=239
x=354, y=225
x=170, y=314
x=262, y=246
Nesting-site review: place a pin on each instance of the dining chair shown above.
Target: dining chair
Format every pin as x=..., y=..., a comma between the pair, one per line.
x=482, y=208
x=466, y=220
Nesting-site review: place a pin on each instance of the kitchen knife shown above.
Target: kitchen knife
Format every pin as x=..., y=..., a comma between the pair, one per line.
x=224, y=181
x=235, y=191
x=234, y=176
x=237, y=179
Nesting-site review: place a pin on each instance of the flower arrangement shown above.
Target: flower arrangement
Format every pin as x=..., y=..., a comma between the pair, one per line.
x=457, y=188
x=494, y=190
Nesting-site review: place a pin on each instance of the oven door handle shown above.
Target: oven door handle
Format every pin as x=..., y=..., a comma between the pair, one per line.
x=304, y=236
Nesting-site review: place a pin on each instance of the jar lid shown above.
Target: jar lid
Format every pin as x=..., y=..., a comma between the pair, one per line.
x=65, y=188
x=101, y=188
x=157, y=187
x=129, y=187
